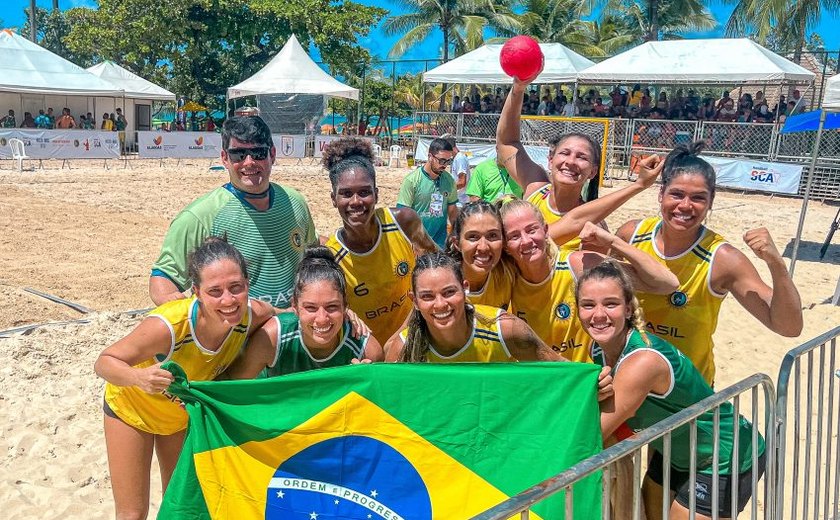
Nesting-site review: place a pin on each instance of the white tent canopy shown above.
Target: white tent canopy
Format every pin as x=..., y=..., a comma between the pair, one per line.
x=714, y=61
x=482, y=66
x=133, y=85
x=27, y=68
x=292, y=71
x=831, y=101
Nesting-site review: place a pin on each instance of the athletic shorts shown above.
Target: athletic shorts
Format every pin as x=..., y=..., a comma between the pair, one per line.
x=108, y=411
x=680, y=481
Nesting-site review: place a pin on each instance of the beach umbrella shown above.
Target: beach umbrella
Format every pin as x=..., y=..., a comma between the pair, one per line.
x=192, y=106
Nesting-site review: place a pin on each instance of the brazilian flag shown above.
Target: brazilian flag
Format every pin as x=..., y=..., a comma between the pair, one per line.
x=384, y=441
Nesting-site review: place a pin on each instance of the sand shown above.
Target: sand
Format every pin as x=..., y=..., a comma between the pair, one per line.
x=90, y=235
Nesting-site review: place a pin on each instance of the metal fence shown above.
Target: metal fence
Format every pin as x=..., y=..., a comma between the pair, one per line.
x=809, y=479
x=610, y=459
x=761, y=141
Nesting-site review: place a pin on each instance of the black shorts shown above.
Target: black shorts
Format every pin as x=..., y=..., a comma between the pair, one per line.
x=108, y=411
x=680, y=481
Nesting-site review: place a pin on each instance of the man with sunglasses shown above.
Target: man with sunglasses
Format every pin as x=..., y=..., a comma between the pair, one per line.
x=430, y=191
x=270, y=224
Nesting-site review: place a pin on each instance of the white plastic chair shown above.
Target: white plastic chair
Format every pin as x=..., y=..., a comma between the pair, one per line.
x=18, y=152
x=377, y=155
x=394, y=155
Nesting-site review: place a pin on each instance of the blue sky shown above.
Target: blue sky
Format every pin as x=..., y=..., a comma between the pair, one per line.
x=11, y=13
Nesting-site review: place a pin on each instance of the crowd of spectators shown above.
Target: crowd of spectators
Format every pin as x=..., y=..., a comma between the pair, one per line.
x=638, y=102
x=47, y=120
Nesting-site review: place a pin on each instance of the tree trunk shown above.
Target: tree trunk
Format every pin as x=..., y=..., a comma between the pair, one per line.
x=55, y=5
x=445, y=28
x=800, y=40
x=33, y=22
x=653, y=12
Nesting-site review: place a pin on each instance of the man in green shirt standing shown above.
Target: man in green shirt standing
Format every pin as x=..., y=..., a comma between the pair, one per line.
x=430, y=191
x=489, y=182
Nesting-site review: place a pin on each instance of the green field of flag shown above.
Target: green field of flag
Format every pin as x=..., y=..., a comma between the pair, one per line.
x=384, y=441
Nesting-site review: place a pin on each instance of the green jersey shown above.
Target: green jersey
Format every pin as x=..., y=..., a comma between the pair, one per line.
x=489, y=182
x=293, y=356
x=687, y=388
x=271, y=241
x=431, y=200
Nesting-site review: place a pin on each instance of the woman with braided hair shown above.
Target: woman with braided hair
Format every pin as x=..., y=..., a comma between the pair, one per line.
x=375, y=247
x=653, y=381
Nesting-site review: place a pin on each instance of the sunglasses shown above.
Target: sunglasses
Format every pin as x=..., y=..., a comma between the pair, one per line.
x=443, y=162
x=238, y=154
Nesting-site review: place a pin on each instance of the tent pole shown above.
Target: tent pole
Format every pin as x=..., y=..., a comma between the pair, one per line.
x=811, y=168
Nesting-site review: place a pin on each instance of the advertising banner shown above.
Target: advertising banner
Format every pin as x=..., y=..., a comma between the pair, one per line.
x=289, y=146
x=62, y=144
x=478, y=152
x=321, y=141
x=756, y=175
x=182, y=145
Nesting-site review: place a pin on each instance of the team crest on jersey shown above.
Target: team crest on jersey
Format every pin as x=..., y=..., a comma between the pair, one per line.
x=563, y=311
x=402, y=268
x=296, y=239
x=678, y=299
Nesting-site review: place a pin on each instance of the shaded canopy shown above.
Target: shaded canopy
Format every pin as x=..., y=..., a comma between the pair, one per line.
x=133, y=85
x=292, y=71
x=831, y=101
x=481, y=66
x=26, y=67
x=714, y=61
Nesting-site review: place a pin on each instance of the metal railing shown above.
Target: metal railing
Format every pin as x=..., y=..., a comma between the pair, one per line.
x=610, y=457
x=809, y=426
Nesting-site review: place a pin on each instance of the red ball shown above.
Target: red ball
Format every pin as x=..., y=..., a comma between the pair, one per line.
x=521, y=57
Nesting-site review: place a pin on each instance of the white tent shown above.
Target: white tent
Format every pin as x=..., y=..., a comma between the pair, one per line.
x=292, y=71
x=715, y=61
x=27, y=68
x=482, y=66
x=133, y=85
x=831, y=101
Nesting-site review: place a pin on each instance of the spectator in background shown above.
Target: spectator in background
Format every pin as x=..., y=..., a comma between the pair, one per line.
x=662, y=102
x=570, y=109
x=90, y=122
x=65, y=121
x=489, y=182
x=28, y=122
x=51, y=117
x=9, y=120
x=460, y=169
x=727, y=112
x=635, y=96
x=723, y=100
x=113, y=119
x=430, y=191
x=121, y=122
x=468, y=108
x=107, y=124
x=42, y=121
x=798, y=104
x=780, y=107
x=542, y=108
x=456, y=104
x=599, y=109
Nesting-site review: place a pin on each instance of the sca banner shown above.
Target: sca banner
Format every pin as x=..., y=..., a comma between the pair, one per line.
x=478, y=152
x=289, y=146
x=756, y=175
x=179, y=144
x=62, y=144
x=384, y=441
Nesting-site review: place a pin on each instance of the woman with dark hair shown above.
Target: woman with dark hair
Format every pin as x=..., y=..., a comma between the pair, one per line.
x=653, y=381
x=708, y=267
x=574, y=165
x=203, y=334
x=375, y=247
x=543, y=291
x=317, y=334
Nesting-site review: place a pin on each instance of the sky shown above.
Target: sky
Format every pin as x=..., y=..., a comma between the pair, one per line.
x=12, y=15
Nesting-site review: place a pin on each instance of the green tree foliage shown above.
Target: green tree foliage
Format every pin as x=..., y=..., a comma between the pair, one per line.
x=652, y=20
x=198, y=48
x=461, y=22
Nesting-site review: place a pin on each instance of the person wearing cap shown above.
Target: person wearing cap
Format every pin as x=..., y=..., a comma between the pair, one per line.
x=269, y=223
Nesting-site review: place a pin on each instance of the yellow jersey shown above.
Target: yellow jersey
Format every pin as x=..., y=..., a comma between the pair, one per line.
x=161, y=414
x=497, y=288
x=540, y=199
x=549, y=308
x=378, y=281
x=688, y=317
x=486, y=344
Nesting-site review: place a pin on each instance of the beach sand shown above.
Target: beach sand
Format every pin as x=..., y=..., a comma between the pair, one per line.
x=90, y=235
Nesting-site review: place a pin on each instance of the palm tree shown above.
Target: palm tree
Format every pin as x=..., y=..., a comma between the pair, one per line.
x=462, y=23
x=787, y=21
x=657, y=20
x=560, y=21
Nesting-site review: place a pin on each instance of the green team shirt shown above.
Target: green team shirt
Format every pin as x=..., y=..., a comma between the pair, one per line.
x=431, y=200
x=688, y=387
x=489, y=182
x=271, y=241
x=293, y=356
